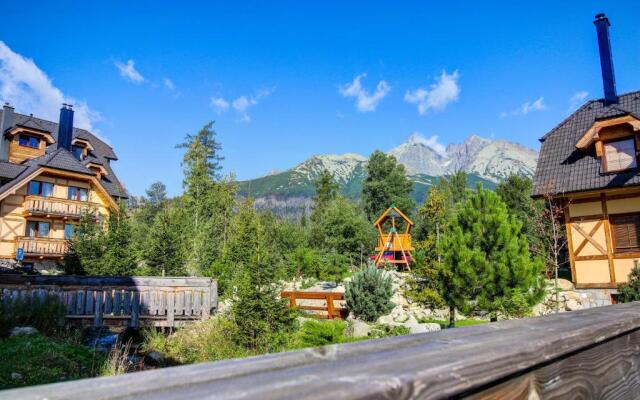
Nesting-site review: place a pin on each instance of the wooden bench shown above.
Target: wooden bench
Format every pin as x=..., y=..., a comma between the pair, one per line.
x=589, y=354
x=330, y=308
x=120, y=301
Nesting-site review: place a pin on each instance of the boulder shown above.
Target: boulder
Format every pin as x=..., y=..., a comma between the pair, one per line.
x=417, y=328
x=432, y=327
x=564, y=284
x=23, y=330
x=358, y=328
x=153, y=358
x=15, y=376
x=573, y=305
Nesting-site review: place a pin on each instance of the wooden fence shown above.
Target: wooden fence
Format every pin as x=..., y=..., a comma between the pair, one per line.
x=120, y=301
x=329, y=307
x=585, y=354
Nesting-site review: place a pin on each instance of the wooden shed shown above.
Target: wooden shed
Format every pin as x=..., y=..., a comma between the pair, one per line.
x=393, y=247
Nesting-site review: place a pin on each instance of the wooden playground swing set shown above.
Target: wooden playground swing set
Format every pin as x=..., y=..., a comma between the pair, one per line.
x=393, y=247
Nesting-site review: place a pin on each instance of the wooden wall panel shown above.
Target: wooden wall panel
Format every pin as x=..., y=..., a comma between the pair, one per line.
x=582, y=209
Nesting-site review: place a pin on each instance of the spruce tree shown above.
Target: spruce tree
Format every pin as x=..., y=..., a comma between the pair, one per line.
x=326, y=189
x=386, y=183
x=163, y=246
x=486, y=259
x=259, y=312
x=206, y=199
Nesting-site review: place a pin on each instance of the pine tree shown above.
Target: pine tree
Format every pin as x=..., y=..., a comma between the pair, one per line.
x=630, y=291
x=486, y=259
x=386, y=183
x=368, y=295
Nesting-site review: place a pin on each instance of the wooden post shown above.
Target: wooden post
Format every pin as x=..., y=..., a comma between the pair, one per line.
x=135, y=309
x=330, y=309
x=292, y=300
x=97, y=319
x=171, y=308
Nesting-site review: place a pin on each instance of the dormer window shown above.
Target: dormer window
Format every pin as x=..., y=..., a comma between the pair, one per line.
x=619, y=155
x=78, y=151
x=29, y=141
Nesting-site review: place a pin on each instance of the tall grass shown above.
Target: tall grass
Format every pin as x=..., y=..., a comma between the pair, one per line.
x=45, y=314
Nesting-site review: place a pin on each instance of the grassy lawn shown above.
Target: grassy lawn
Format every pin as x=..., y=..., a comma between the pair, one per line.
x=41, y=360
x=444, y=324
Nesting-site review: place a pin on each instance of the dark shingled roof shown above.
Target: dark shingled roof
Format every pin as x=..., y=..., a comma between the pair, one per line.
x=102, y=153
x=562, y=168
x=10, y=170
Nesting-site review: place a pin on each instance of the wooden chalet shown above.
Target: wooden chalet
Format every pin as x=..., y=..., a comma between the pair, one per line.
x=50, y=175
x=589, y=165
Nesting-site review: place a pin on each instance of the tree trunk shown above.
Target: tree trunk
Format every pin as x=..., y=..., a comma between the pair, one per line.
x=452, y=317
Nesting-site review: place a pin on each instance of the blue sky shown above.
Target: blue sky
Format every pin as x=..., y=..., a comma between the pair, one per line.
x=285, y=80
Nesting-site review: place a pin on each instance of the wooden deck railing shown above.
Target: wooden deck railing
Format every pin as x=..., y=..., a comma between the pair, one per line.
x=590, y=354
x=56, y=207
x=42, y=247
x=120, y=301
x=328, y=306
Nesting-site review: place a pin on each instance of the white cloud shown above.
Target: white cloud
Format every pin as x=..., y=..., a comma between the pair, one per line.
x=431, y=142
x=365, y=102
x=30, y=90
x=129, y=72
x=577, y=99
x=168, y=83
x=526, y=108
x=240, y=104
x=444, y=91
x=220, y=104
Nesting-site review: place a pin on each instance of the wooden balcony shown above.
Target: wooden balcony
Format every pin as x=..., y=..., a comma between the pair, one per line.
x=53, y=207
x=42, y=247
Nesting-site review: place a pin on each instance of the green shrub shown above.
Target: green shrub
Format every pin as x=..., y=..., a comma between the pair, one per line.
x=207, y=340
x=381, y=331
x=45, y=314
x=630, y=291
x=320, y=333
x=41, y=360
x=368, y=295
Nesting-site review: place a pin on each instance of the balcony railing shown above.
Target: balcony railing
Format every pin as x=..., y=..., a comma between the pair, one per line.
x=56, y=207
x=42, y=247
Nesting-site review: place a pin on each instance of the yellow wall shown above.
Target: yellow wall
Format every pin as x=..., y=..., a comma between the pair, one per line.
x=13, y=223
x=593, y=271
x=597, y=271
x=582, y=209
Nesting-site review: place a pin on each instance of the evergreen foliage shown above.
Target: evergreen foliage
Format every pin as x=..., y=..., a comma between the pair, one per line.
x=97, y=251
x=486, y=259
x=342, y=228
x=163, y=250
x=630, y=291
x=326, y=190
x=368, y=294
x=386, y=183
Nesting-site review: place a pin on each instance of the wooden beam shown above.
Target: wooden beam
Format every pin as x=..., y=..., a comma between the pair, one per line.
x=589, y=238
x=608, y=237
x=582, y=354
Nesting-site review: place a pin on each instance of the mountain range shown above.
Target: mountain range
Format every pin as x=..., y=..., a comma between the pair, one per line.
x=489, y=161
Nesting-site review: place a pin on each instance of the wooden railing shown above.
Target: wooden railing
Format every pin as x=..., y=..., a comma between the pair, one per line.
x=400, y=241
x=42, y=247
x=590, y=354
x=328, y=306
x=120, y=301
x=56, y=207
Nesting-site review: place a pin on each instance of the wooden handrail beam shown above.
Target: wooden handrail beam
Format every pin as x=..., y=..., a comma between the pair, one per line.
x=588, y=354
